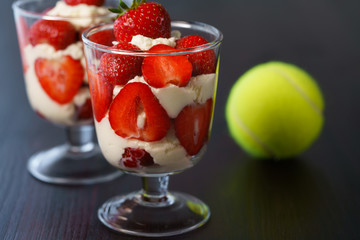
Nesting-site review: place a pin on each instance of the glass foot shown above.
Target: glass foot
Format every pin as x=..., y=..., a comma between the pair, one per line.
x=64, y=165
x=177, y=214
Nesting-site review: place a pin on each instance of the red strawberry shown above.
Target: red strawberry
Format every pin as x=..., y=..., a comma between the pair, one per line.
x=159, y=71
x=88, y=2
x=101, y=94
x=147, y=19
x=133, y=100
x=134, y=158
x=57, y=33
x=192, y=126
x=203, y=62
x=84, y=112
x=105, y=37
x=118, y=69
x=60, y=78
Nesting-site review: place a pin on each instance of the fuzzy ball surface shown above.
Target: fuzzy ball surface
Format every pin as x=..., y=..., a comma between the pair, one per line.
x=275, y=110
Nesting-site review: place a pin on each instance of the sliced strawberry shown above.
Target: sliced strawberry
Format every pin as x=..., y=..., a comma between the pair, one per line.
x=105, y=37
x=60, y=78
x=148, y=19
x=101, y=94
x=119, y=69
x=203, y=62
x=87, y=2
x=192, y=126
x=57, y=33
x=159, y=71
x=134, y=101
x=84, y=112
x=135, y=158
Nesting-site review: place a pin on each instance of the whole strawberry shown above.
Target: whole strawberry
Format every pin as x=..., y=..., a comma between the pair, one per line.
x=148, y=19
x=203, y=62
x=119, y=69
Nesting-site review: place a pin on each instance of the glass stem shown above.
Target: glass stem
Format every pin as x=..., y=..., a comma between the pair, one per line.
x=80, y=139
x=154, y=191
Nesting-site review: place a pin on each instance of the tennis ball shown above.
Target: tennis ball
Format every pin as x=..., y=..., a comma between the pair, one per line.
x=275, y=110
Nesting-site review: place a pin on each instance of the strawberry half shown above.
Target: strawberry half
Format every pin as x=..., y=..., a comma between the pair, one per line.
x=119, y=69
x=57, y=33
x=192, y=126
x=203, y=62
x=135, y=158
x=60, y=78
x=159, y=71
x=137, y=114
x=101, y=94
x=87, y=2
x=147, y=19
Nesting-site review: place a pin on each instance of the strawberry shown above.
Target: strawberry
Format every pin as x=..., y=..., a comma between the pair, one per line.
x=84, y=112
x=87, y=2
x=60, y=78
x=101, y=94
x=134, y=101
x=159, y=71
x=57, y=33
x=105, y=37
x=203, y=62
x=192, y=126
x=147, y=19
x=134, y=158
x=119, y=69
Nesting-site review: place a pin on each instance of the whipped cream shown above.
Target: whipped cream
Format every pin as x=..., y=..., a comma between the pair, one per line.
x=38, y=98
x=83, y=15
x=82, y=95
x=173, y=98
x=145, y=43
x=45, y=50
x=167, y=152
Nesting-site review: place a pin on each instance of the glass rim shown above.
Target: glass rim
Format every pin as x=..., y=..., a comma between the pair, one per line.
x=184, y=24
x=18, y=7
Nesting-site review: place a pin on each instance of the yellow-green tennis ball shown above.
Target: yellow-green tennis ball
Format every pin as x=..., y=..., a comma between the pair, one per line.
x=275, y=110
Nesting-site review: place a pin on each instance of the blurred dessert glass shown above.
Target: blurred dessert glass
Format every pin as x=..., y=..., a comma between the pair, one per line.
x=49, y=35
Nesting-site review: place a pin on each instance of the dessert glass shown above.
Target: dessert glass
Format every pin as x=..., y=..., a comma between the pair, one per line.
x=153, y=211
x=79, y=161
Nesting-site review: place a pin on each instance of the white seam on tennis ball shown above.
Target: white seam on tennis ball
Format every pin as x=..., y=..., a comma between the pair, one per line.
x=299, y=90
x=252, y=135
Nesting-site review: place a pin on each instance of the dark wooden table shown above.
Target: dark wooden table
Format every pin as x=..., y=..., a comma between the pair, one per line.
x=315, y=196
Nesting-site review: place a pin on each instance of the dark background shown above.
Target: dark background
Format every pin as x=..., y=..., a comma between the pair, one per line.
x=315, y=196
